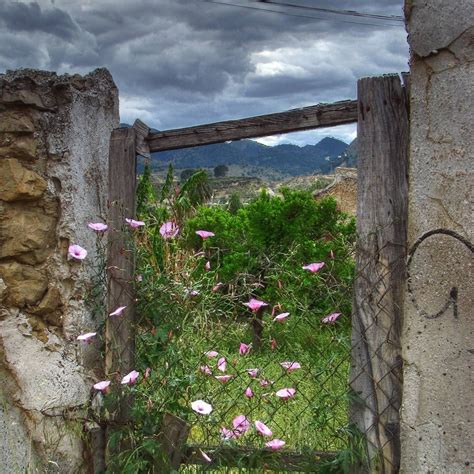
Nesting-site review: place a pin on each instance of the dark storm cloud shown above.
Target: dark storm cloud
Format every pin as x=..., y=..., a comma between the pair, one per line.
x=28, y=17
x=182, y=62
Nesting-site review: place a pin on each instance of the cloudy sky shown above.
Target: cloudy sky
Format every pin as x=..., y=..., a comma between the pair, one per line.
x=185, y=62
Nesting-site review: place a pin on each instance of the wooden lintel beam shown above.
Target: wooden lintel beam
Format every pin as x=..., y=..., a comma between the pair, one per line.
x=306, y=118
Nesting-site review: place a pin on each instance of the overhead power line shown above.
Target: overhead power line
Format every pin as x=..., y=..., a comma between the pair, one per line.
x=334, y=11
x=267, y=10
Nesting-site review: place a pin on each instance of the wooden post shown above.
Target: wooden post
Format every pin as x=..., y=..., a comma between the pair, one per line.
x=120, y=330
x=376, y=370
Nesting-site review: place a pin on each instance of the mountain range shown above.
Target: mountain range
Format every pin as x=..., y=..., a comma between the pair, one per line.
x=290, y=159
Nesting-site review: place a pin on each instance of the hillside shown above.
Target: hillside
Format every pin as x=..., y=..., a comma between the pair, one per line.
x=286, y=159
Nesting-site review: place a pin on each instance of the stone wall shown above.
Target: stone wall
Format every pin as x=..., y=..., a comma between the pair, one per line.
x=54, y=141
x=438, y=337
x=343, y=189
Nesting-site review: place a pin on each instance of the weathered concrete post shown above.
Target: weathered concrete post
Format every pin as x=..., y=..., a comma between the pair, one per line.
x=54, y=145
x=438, y=337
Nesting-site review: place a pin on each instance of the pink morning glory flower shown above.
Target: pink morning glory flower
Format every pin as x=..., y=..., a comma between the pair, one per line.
x=118, y=311
x=281, y=317
x=77, y=252
x=201, y=407
x=265, y=382
x=191, y=293
x=130, y=378
x=275, y=444
x=217, y=287
x=97, y=226
x=248, y=392
x=205, y=369
x=223, y=378
x=102, y=386
x=205, y=456
x=87, y=337
x=244, y=348
x=331, y=319
x=290, y=366
x=286, y=393
x=211, y=353
x=314, y=267
x=227, y=434
x=241, y=424
x=207, y=266
x=255, y=305
x=204, y=234
x=253, y=372
x=263, y=429
x=134, y=224
x=169, y=230
x=222, y=364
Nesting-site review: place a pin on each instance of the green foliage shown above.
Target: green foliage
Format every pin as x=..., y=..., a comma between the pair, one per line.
x=258, y=251
x=145, y=191
x=235, y=203
x=220, y=171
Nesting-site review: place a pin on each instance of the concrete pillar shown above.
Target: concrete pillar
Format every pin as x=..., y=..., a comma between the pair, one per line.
x=437, y=431
x=54, y=142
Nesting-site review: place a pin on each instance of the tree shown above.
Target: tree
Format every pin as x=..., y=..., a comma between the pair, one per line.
x=186, y=174
x=220, y=171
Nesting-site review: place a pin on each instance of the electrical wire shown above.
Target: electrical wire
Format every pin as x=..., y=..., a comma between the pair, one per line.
x=267, y=10
x=334, y=11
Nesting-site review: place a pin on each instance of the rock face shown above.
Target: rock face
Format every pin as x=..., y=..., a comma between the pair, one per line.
x=54, y=143
x=343, y=189
x=437, y=418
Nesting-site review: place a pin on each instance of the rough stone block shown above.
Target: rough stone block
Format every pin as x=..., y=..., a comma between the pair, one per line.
x=48, y=307
x=19, y=183
x=28, y=232
x=25, y=284
x=15, y=121
x=22, y=146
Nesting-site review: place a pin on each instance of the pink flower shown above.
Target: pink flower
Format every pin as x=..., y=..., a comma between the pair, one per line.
x=191, y=293
x=248, y=392
x=275, y=444
x=211, y=353
x=169, y=230
x=87, y=337
x=147, y=373
x=217, y=287
x=102, y=386
x=98, y=227
x=77, y=252
x=204, y=234
x=222, y=364
x=253, y=372
x=273, y=344
x=130, y=378
x=134, y=224
x=314, y=267
x=241, y=424
x=255, y=305
x=227, y=434
x=201, y=407
x=331, y=319
x=205, y=456
x=281, y=317
x=286, y=393
x=223, y=378
x=205, y=369
x=207, y=267
x=265, y=382
x=263, y=429
x=139, y=278
x=244, y=348
x=118, y=311
x=291, y=366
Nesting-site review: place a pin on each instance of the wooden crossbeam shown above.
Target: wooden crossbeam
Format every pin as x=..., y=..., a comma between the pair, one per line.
x=306, y=118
